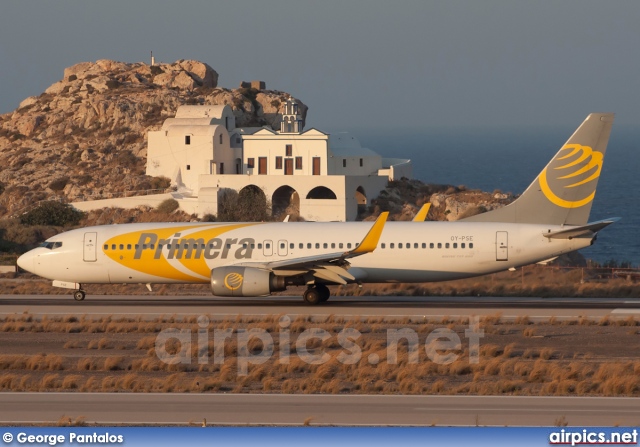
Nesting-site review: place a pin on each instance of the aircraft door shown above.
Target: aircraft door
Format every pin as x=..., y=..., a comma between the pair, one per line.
x=502, y=246
x=268, y=248
x=90, y=251
x=282, y=248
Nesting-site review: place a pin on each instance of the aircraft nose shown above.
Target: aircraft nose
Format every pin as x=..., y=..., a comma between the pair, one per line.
x=25, y=262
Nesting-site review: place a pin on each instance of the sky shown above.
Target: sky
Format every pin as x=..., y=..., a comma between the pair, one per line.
x=405, y=64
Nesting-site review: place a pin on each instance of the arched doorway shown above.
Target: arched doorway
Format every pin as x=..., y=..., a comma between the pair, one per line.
x=285, y=200
x=321, y=192
x=361, y=201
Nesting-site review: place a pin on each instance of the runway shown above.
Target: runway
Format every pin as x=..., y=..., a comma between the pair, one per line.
x=287, y=409
x=147, y=307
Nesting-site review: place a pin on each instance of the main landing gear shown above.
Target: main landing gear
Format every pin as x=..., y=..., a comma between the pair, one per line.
x=316, y=294
x=79, y=295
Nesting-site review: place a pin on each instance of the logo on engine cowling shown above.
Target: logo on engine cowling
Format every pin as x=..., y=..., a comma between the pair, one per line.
x=233, y=281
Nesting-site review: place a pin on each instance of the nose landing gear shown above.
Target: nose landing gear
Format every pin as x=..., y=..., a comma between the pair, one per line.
x=79, y=295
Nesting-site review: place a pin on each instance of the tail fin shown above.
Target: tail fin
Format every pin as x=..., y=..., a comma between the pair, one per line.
x=563, y=192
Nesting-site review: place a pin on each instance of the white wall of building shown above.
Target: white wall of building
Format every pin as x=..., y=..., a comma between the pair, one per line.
x=195, y=152
x=183, y=153
x=267, y=143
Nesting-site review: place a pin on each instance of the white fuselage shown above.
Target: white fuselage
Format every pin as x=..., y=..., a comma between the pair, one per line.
x=187, y=252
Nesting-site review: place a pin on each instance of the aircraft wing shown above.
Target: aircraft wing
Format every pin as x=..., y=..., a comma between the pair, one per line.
x=329, y=266
x=583, y=230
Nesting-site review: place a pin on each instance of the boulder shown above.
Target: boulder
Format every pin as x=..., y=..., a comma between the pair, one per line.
x=28, y=124
x=57, y=88
x=77, y=69
x=28, y=102
x=203, y=73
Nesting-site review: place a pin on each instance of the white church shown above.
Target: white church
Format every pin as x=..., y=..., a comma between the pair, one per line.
x=318, y=176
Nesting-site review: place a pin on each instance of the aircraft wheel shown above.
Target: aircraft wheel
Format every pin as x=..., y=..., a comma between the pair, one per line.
x=79, y=295
x=325, y=294
x=312, y=296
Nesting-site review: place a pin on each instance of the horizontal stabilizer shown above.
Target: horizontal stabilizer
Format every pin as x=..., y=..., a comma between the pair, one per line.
x=584, y=230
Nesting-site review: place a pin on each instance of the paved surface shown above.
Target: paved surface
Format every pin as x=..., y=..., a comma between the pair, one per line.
x=110, y=408
x=153, y=306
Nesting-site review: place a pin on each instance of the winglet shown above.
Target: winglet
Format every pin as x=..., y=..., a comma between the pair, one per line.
x=421, y=216
x=370, y=241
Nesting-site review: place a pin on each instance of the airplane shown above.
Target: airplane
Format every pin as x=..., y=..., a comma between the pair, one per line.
x=255, y=259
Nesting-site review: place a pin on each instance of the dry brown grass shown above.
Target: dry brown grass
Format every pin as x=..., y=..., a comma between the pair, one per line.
x=524, y=365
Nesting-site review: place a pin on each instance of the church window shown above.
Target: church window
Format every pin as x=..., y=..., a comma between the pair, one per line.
x=298, y=162
x=278, y=162
x=289, y=150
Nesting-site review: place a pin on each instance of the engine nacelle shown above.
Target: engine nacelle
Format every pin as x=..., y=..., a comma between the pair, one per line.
x=245, y=281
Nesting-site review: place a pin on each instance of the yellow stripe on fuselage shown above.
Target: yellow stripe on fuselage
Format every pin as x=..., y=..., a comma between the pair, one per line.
x=171, y=251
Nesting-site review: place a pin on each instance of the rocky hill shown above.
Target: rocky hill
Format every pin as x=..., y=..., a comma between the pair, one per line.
x=86, y=134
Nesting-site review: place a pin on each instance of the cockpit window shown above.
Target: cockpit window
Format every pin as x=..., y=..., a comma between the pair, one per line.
x=51, y=245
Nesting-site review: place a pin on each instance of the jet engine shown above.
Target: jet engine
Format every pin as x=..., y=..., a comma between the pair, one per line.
x=245, y=281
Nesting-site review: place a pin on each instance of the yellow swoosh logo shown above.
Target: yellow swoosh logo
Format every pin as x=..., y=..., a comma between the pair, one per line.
x=578, y=167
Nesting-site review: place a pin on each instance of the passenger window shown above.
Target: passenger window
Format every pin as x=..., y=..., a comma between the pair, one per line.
x=400, y=245
x=325, y=245
x=470, y=244
x=446, y=245
x=317, y=245
x=382, y=245
x=152, y=246
x=267, y=246
x=252, y=246
x=431, y=245
x=391, y=245
x=439, y=244
x=106, y=247
x=308, y=244
x=259, y=246
x=113, y=246
x=282, y=245
x=415, y=245
x=121, y=247
x=292, y=245
x=333, y=245
x=129, y=246
x=455, y=245
x=341, y=245
x=462, y=245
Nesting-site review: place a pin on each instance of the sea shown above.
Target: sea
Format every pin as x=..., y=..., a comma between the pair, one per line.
x=509, y=160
